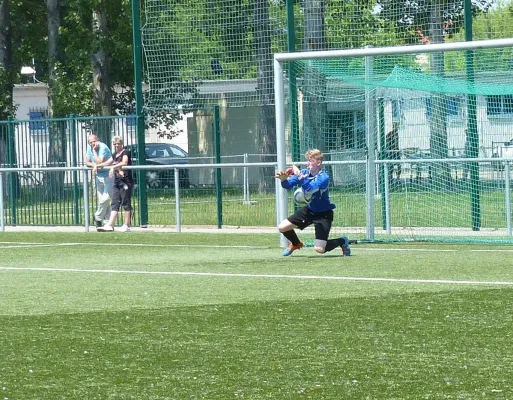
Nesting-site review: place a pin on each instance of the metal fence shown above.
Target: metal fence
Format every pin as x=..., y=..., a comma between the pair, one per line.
x=29, y=197
x=57, y=142
x=418, y=205
x=44, y=182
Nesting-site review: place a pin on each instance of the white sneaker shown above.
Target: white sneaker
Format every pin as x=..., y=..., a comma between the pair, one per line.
x=124, y=228
x=106, y=228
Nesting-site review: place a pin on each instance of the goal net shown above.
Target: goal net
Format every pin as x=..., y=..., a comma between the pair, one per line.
x=417, y=141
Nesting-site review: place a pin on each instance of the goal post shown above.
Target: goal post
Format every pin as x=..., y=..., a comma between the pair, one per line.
x=448, y=111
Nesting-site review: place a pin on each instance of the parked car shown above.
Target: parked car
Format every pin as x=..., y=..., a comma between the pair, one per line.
x=162, y=154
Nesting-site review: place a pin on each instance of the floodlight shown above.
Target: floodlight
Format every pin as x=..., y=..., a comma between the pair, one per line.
x=28, y=71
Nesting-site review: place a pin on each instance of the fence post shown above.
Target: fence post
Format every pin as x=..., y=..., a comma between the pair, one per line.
x=73, y=134
x=382, y=175
x=386, y=195
x=246, y=180
x=508, y=196
x=139, y=113
x=370, y=139
x=177, y=201
x=11, y=159
x=217, y=149
x=2, y=222
x=86, y=198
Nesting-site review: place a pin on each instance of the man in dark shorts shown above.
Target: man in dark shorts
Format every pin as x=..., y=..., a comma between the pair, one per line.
x=319, y=211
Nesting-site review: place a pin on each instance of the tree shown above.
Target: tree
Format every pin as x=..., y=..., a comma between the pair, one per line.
x=54, y=181
x=6, y=81
x=265, y=89
x=494, y=24
x=428, y=21
x=101, y=71
x=355, y=24
x=6, y=78
x=71, y=77
x=314, y=87
x=30, y=36
x=415, y=19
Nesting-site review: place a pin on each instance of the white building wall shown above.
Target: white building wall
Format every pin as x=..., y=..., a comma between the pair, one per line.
x=35, y=96
x=25, y=97
x=414, y=132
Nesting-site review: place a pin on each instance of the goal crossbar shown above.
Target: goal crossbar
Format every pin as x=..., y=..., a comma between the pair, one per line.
x=392, y=50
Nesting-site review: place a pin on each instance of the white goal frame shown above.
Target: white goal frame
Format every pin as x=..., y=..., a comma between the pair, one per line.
x=368, y=52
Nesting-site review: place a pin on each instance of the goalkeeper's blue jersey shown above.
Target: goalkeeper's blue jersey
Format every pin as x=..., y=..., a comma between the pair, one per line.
x=314, y=185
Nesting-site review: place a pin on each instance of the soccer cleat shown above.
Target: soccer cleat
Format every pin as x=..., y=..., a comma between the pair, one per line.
x=289, y=250
x=124, y=228
x=346, y=251
x=99, y=224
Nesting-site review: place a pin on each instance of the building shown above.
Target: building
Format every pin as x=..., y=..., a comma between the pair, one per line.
x=32, y=137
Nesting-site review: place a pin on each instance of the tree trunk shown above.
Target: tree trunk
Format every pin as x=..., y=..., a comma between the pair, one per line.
x=438, y=119
x=6, y=96
x=265, y=90
x=314, y=96
x=102, y=75
x=54, y=22
x=5, y=58
x=54, y=181
x=6, y=87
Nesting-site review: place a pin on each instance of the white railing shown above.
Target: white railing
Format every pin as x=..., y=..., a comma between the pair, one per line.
x=486, y=174
x=85, y=171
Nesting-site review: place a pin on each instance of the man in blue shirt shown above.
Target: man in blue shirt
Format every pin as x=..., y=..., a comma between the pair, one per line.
x=319, y=211
x=99, y=156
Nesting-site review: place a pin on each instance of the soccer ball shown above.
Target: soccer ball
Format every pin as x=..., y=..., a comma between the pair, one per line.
x=301, y=198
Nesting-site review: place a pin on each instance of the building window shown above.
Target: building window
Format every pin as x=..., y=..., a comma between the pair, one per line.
x=396, y=110
x=453, y=106
x=497, y=105
x=36, y=125
x=130, y=121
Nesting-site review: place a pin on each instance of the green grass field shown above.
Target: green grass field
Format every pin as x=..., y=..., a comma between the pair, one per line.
x=219, y=316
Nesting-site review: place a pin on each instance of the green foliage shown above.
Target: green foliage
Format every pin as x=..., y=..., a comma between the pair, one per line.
x=29, y=37
x=494, y=24
x=72, y=91
x=355, y=24
x=214, y=30
x=72, y=94
x=7, y=107
x=413, y=18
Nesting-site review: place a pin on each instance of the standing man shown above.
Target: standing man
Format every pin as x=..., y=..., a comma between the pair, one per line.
x=319, y=211
x=99, y=156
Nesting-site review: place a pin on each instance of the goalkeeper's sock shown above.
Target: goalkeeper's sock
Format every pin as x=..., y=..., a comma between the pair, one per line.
x=292, y=237
x=333, y=244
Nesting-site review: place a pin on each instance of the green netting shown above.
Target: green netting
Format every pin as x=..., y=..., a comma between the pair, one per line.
x=404, y=78
x=203, y=53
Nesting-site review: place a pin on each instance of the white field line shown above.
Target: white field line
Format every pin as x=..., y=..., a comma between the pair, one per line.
x=8, y=245
x=266, y=276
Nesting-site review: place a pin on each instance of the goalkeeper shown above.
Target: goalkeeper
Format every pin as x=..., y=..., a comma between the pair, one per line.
x=319, y=211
